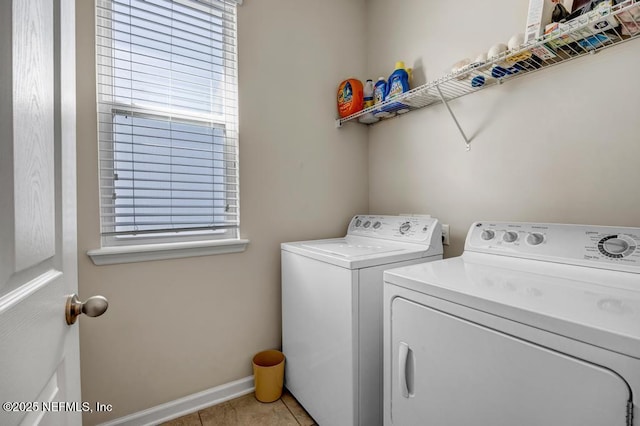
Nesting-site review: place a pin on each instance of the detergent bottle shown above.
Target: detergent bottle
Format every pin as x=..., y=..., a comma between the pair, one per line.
x=398, y=84
x=350, y=97
x=368, y=118
x=379, y=96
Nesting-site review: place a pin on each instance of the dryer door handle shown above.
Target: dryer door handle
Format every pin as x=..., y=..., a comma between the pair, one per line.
x=405, y=369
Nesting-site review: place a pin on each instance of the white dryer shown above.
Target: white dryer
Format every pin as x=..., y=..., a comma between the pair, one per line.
x=534, y=325
x=332, y=313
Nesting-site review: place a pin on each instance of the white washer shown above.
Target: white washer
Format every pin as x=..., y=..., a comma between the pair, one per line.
x=535, y=324
x=332, y=313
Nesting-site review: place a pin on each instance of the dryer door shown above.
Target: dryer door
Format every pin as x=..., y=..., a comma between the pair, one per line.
x=447, y=371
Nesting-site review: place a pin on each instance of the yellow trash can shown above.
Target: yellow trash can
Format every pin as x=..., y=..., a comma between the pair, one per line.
x=268, y=374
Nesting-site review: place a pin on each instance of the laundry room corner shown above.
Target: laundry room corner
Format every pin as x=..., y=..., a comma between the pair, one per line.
x=557, y=146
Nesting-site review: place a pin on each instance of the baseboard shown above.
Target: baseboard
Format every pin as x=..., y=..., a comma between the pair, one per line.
x=188, y=404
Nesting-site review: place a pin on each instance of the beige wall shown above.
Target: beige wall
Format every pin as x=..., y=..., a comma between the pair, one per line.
x=558, y=146
x=181, y=326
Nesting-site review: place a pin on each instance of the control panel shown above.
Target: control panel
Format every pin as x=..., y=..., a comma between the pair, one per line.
x=596, y=246
x=411, y=229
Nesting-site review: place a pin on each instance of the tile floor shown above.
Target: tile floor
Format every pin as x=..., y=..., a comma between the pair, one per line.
x=248, y=411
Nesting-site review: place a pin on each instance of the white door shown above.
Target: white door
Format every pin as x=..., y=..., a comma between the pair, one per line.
x=39, y=357
x=447, y=371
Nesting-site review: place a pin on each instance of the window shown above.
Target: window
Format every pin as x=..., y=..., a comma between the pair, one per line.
x=167, y=120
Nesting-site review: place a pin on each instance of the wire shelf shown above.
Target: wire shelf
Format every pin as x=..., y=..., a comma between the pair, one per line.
x=587, y=34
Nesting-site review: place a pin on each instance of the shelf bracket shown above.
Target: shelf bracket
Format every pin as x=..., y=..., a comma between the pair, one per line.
x=455, y=120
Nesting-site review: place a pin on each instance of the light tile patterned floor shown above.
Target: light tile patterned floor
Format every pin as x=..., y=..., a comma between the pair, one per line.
x=248, y=411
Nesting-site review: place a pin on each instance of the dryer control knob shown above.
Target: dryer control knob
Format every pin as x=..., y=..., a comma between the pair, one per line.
x=377, y=225
x=535, y=238
x=510, y=236
x=367, y=224
x=616, y=246
x=404, y=228
x=488, y=234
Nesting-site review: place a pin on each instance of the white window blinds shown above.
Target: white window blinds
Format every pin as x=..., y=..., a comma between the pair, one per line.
x=167, y=118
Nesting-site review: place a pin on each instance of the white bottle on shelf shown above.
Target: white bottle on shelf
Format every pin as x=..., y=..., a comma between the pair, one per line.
x=368, y=118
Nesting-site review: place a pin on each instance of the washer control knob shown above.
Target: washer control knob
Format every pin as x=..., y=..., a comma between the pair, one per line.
x=488, y=234
x=615, y=246
x=377, y=225
x=535, y=238
x=358, y=223
x=405, y=227
x=367, y=224
x=510, y=236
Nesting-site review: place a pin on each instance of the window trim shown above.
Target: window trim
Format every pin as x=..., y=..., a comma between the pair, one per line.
x=163, y=251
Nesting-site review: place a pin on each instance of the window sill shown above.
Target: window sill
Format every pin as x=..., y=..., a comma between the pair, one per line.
x=146, y=252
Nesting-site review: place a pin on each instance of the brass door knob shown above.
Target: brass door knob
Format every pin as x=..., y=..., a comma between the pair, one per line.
x=92, y=307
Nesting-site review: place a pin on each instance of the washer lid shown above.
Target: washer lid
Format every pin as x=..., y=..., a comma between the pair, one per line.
x=354, y=252
x=594, y=306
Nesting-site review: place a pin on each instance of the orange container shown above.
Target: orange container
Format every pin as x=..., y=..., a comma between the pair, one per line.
x=350, y=97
